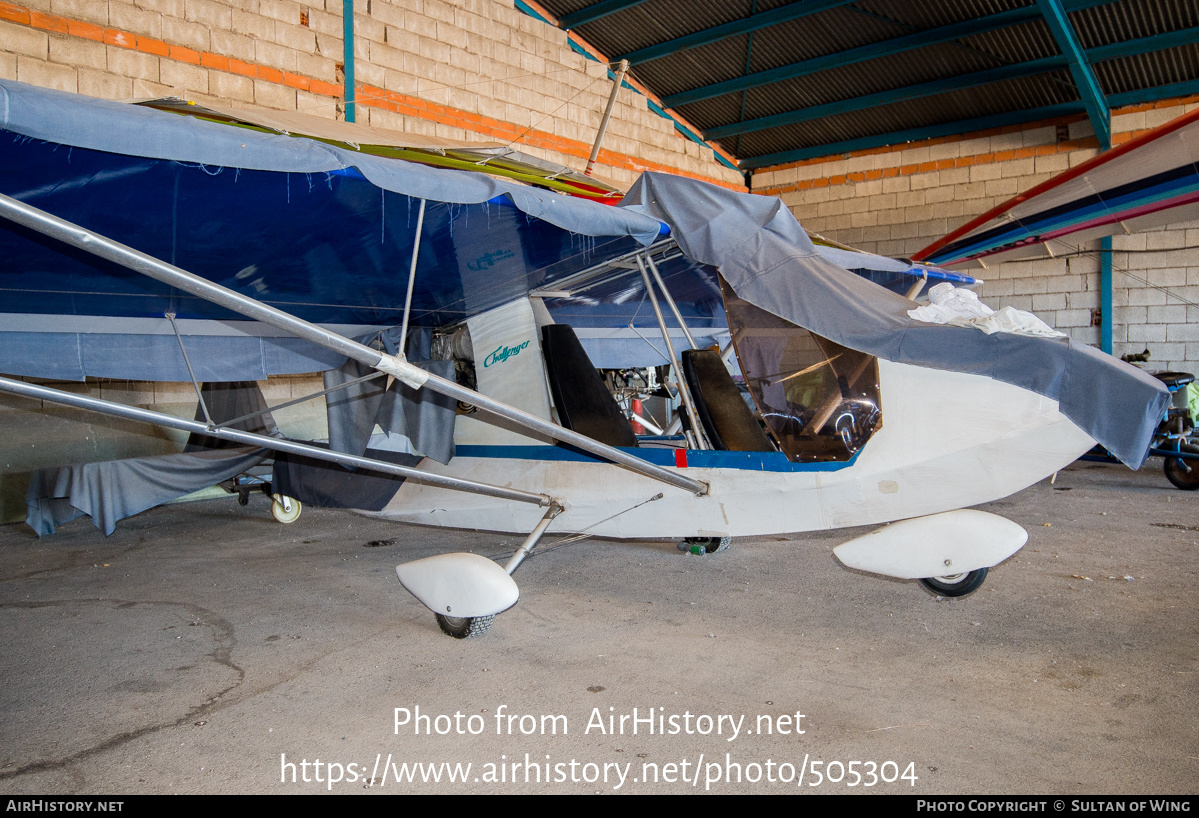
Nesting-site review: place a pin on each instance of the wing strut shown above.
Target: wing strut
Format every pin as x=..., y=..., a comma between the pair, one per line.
x=170, y=316
x=94, y=243
x=120, y=410
x=420, y=226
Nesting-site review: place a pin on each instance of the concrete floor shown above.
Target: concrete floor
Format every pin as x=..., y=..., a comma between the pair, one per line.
x=204, y=647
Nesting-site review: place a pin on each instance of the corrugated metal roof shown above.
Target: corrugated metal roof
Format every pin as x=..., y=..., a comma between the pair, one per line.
x=1128, y=74
x=921, y=14
x=1049, y=89
x=1019, y=43
x=749, y=70
x=1133, y=19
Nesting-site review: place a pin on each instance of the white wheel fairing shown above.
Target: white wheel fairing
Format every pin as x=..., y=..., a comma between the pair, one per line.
x=460, y=586
x=946, y=546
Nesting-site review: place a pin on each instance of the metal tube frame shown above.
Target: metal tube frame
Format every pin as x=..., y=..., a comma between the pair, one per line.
x=674, y=308
x=617, y=267
x=1179, y=454
x=684, y=392
x=420, y=226
x=304, y=399
x=120, y=410
x=170, y=316
x=76, y=236
x=531, y=541
x=603, y=128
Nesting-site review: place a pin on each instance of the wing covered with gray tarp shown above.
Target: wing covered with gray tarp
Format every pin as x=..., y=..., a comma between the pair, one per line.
x=766, y=257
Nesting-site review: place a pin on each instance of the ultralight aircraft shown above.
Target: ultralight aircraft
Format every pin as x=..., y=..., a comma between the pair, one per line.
x=162, y=243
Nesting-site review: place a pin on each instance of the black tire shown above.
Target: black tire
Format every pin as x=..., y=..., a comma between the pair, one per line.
x=1176, y=470
x=464, y=627
x=712, y=545
x=957, y=585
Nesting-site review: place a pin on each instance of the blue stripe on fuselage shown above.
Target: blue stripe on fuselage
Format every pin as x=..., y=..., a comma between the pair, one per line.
x=696, y=459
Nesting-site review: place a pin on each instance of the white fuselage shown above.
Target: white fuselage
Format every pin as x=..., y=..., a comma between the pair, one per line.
x=948, y=440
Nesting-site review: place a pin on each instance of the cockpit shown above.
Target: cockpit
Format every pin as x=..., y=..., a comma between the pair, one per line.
x=818, y=400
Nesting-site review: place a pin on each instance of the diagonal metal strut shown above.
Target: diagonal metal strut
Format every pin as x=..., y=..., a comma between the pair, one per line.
x=30, y=390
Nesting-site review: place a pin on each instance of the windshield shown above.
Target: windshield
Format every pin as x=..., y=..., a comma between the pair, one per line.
x=819, y=400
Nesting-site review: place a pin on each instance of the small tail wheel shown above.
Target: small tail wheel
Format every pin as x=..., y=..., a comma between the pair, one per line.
x=285, y=509
x=956, y=584
x=464, y=627
x=704, y=545
x=1183, y=472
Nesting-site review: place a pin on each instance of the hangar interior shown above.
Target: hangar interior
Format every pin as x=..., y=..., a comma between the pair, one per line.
x=881, y=125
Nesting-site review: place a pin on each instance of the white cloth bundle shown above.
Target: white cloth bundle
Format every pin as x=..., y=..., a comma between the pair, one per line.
x=961, y=307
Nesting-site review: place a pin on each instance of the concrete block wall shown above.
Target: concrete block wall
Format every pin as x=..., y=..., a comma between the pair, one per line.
x=475, y=70
x=896, y=201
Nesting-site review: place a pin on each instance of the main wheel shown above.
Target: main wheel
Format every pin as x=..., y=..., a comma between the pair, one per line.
x=957, y=584
x=1183, y=473
x=710, y=545
x=465, y=627
x=285, y=509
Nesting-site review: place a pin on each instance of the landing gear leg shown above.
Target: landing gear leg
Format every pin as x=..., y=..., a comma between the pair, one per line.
x=468, y=627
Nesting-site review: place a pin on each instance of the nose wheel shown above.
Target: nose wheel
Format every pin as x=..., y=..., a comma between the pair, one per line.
x=956, y=584
x=464, y=627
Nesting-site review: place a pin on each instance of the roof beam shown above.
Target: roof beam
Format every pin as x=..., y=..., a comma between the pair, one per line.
x=896, y=45
x=925, y=89
x=745, y=25
x=1080, y=68
x=962, y=126
x=1143, y=45
x=596, y=11
x=774, y=17
x=1174, y=89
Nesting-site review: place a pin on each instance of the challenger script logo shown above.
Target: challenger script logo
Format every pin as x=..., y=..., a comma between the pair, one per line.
x=503, y=353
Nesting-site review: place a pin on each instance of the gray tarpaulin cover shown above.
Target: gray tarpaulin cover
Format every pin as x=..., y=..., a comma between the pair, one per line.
x=766, y=257
x=116, y=489
x=423, y=416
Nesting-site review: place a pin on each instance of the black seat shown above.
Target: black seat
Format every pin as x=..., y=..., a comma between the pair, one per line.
x=727, y=420
x=584, y=404
x=1173, y=380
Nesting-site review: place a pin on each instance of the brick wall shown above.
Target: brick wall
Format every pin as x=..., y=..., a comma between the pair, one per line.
x=898, y=200
x=476, y=70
